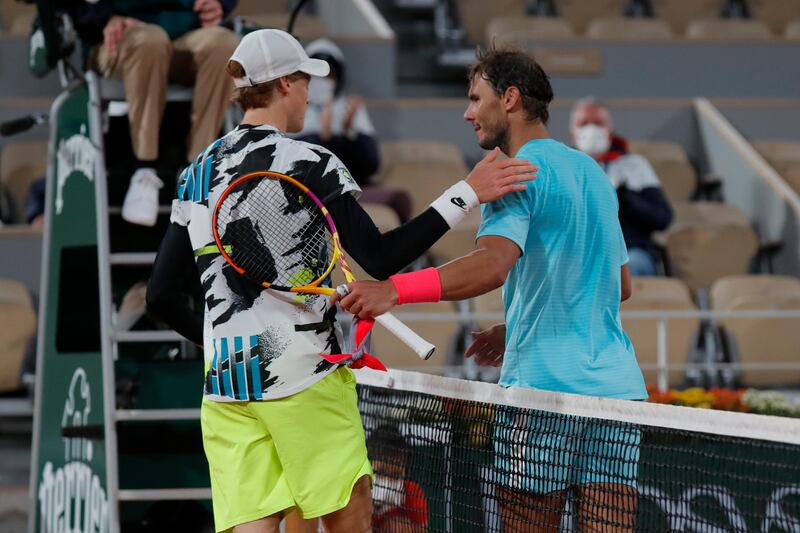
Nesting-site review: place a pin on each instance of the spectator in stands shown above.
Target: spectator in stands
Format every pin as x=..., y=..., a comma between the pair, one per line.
x=399, y=504
x=148, y=43
x=643, y=208
x=340, y=123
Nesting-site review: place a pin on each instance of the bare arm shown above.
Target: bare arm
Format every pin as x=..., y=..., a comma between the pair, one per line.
x=477, y=273
x=627, y=285
x=480, y=271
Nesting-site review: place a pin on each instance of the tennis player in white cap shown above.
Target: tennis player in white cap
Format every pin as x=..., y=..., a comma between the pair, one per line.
x=281, y=426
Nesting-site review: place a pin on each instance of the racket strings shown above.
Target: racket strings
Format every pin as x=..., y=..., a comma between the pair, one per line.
x=275, y=232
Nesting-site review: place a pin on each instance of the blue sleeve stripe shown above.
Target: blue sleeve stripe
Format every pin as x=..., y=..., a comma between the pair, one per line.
x=255, y=370
x=227, y=381
x=241, y=369
x=197, y=175
x=208, y=163
x=190, y=182
x=214, y=371
x=182, y=184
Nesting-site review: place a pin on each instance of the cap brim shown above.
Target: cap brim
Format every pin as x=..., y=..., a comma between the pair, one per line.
x=315, y=67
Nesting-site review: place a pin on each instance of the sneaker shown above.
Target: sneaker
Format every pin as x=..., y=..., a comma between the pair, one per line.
x=141, y=200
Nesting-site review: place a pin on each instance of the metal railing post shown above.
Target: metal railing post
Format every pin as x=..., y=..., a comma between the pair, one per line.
x=661, y=339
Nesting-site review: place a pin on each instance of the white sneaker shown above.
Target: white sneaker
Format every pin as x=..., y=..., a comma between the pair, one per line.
x=141, y=200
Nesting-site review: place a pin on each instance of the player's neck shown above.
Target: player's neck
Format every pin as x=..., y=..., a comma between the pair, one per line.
x=266, y=115
x=518, y=136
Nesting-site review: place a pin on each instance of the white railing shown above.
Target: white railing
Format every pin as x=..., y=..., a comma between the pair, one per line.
x=354, y=18
x=662, y=317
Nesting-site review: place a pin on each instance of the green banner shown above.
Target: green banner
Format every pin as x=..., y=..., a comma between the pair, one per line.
x=69, y=461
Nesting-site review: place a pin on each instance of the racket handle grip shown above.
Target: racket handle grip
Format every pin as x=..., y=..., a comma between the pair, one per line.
x=421, y=347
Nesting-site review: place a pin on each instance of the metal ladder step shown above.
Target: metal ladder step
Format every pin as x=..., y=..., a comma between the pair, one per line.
x=16, y=407
x=146, y=336
x=117, y=210
x=133, y=258
x=147, y=415
x=140, y=495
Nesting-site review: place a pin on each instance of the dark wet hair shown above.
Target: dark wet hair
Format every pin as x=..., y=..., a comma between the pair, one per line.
x=511, y=67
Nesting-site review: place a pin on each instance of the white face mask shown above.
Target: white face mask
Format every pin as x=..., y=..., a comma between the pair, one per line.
x=388, y=491
x=592, y=139
x=320, y=91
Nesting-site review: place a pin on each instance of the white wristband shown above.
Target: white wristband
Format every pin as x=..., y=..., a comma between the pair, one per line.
x=456, y=202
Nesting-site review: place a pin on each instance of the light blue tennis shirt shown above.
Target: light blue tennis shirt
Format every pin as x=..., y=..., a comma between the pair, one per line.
x=562, y=297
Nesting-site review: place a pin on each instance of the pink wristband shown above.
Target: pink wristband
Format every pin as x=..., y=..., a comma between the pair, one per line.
x=416, y=287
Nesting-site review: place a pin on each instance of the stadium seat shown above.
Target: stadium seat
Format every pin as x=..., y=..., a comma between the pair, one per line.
x=784, y=156
x=718, y=29
x=423, y=168
x=21, y=163
x=793, y=30
x=678, y=13
x=708, y=241
x=769, y=340
x=580, y=12
x=626, y=28
x=658, y=149
x=775, y=13
x=395, y=354
x=19, y=324
x=660, y=294
x=791, y=173
x=458, y=241
x=383, y=216
x=778, y=151
x=422, y=150
x=519, y=30
x=476, y=14
x=258, y=7
x=16, y=17
x=21, y=27
x=678, y=177
x=424, y=181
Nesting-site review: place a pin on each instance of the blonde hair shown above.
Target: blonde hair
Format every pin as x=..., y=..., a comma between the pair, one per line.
x=256, y=96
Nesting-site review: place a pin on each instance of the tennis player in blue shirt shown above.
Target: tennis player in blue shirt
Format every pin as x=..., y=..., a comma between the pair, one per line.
x=558, y=252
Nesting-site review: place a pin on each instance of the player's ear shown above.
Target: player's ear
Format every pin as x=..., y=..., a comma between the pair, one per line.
x=283, y=85
x=511, y=98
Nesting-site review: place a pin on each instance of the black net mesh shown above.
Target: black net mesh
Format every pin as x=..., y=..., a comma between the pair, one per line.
x=462, y=466
x=275, y=232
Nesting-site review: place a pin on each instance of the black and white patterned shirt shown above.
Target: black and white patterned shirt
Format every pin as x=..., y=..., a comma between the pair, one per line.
x=259, y=344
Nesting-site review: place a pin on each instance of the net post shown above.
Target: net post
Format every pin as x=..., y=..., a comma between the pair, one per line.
x=661, y=339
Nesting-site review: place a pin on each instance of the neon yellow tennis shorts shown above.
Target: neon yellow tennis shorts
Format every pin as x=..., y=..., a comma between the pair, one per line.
x=305, y=451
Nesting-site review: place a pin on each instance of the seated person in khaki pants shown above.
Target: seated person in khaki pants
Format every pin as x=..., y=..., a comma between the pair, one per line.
x=148, y=43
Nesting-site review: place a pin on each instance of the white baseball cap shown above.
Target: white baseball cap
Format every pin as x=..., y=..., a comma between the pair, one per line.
x=267, y=55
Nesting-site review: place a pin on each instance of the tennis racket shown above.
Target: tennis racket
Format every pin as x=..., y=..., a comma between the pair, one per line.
x=274, y=231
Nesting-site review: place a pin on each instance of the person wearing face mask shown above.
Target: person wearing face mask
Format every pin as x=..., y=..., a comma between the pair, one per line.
x=340, y=123
x=399, y=503
x=643, y=208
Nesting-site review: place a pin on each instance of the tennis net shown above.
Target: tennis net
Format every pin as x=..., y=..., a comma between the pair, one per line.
x=457, y=456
